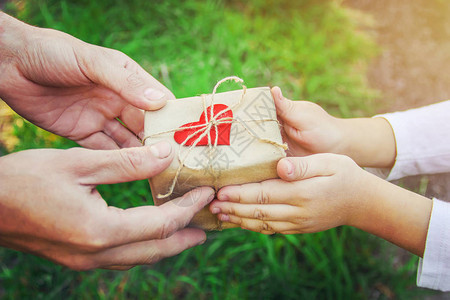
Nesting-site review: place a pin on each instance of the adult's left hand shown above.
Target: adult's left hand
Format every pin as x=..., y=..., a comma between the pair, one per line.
x=75, y=89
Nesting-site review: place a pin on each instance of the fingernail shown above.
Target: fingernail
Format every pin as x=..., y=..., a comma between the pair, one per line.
x=223, y=197
x=161, y=150
x=202, y=242
x=289, y=167
x=211, y=198
x=224, y=218
x=215, y=210
x=141, y=135
x=281, y=93
x=153, y=94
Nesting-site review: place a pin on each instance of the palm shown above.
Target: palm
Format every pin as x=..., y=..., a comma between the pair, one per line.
x=78, y=90
x=86, y=113
x=312, y=138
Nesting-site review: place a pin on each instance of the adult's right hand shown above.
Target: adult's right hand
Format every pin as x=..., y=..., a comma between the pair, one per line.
x=50, y=207
x=74, y=89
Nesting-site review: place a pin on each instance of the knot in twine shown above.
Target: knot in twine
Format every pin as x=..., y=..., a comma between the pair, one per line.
x=205, y=129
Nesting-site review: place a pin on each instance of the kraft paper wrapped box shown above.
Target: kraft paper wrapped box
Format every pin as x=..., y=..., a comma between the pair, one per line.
x=241, y=143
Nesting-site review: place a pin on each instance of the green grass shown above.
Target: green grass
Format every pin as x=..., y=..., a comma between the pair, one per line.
x=312, y=50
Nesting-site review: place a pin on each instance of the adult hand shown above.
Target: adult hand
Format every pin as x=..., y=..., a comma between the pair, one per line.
x=75, y=89
x=49, y=206
x=308, y=129
x=323, y=191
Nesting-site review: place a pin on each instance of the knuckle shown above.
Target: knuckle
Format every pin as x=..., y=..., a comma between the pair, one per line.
x=134, y=80
x=90, y=239
x=168, y=227
x=153, y=256
x=99, y=243
x=239, y=193
x=265, y=227
x=163, y=231
x=132, y=160
x=95, y=243
x=301, y=168
x=198, y=195
x=259, y=214
x=230, y=210
x=262, y=197
x=241, y=222
x=114, y=55
x=299, y=220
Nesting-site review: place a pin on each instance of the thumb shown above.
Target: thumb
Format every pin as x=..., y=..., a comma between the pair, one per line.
x=285, y=107
x=298, y=168
x=124, y=165
x=119, y=73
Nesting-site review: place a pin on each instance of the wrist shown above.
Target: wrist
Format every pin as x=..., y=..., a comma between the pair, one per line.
x=360, y=200
x=14, y=36
x=370, y=142
x=392, y=213
x=8, y=29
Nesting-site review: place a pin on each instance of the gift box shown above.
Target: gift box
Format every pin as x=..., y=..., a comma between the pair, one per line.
x=220, y=139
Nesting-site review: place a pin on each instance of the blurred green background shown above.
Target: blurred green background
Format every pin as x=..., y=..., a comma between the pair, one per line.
x=313, y=50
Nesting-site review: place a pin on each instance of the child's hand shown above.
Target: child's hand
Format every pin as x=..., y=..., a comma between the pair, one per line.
x=308, y=129
x=315, y=193
x=322, y=191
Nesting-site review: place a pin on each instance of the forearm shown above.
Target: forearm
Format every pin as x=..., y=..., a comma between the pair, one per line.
x=394, y=214
x=370, y=142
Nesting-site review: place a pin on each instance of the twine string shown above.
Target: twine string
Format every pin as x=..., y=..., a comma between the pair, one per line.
x=203, y=130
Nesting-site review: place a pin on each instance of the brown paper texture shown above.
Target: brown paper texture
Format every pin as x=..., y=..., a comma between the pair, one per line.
x=247, y=158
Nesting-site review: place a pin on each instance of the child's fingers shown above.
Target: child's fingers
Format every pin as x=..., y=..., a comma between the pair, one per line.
x=265, y=227
x=272, y=212
x=272, y=191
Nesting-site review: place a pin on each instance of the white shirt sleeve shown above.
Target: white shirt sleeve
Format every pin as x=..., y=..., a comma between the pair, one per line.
x=423, y=147
x=422, y=137
x=434, y=268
